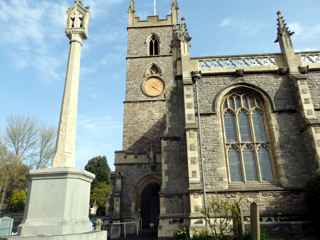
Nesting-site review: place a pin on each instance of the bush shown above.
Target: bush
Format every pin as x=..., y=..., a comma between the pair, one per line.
x=182, y=235
x=312, y=201
x=17, y=200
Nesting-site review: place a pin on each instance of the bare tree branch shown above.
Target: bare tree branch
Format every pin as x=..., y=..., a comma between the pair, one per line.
x=33, y=145
x=21, y=136
x=46, y=147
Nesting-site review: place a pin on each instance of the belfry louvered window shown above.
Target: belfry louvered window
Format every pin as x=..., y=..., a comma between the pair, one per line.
x=246, y=140
x=154, y=46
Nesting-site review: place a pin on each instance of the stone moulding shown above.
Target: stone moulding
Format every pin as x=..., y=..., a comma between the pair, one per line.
x=252, y=63
x=61, y=173
x=81, y=236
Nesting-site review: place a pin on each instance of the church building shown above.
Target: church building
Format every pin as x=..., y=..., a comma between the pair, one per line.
x=242, y=126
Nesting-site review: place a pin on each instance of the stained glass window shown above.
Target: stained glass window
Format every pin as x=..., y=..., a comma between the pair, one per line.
x=266, y=169
x=231, y=127
x=246, y=139
x=235, y=165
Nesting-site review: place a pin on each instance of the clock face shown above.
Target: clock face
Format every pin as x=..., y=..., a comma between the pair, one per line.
x=153, y=87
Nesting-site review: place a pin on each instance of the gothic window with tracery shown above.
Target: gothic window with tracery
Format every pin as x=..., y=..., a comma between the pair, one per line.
x=246, y=140
x=154, y=46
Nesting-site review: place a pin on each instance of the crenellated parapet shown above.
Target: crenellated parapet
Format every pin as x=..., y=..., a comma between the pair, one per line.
x=152, y=21
x=135, y=21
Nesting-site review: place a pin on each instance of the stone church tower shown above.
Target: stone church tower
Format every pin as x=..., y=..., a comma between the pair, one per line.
x=197, y=128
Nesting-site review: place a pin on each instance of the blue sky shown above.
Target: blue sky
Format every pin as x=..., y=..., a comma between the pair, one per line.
x=33, y=53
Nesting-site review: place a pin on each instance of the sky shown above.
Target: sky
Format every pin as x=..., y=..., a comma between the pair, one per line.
x=34, y=49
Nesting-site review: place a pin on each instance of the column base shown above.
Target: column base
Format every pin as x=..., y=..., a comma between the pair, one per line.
x=58, y=203
x=80, y=236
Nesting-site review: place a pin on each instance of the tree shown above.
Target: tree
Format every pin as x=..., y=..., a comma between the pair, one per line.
x=46, y=147
x=13, y=174
x=99, y=196
x=21, y=136
x=25, y=145
x=99, y=166
x=17, y=200
x=101, y=187
x=30, y=143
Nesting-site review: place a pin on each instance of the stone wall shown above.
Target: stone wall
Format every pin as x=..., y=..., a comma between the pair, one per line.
x=272, y=203
x=144, y=125
x=279, y=89
x=133, y=175
x=314, y=84
x=290, y=157
x=137, y=39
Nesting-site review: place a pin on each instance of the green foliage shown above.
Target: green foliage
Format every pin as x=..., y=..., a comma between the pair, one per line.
x=182, y=234
x=264, y=236
x=99, y=166
x=246, y=236
x=100, y=194
x=17, y=200
x=100, y=188
x=220, y=214
x=312, y=201
x=223, y=217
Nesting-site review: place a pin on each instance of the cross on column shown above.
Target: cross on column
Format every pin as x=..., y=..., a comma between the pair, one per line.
x=76, y=19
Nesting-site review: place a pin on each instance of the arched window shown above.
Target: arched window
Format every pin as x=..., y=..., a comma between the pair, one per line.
x=154, y=45
x=246, y=140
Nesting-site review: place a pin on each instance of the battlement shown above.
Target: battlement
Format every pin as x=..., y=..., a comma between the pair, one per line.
x=152, y=21
x=134, y=21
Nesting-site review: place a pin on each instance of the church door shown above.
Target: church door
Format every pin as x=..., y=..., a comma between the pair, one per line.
x=150, y=207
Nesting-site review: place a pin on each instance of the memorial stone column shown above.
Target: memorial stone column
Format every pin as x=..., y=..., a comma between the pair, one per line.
x=59, y=197
x=77, y=31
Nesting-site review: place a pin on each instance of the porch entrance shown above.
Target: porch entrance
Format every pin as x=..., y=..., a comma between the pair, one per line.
x=150, y=208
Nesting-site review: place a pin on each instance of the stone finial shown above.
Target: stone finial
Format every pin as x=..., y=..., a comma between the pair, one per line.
x=174, y=4
x=131, y=13
x=132, y=6
x=286, y=45
x=174, y=12
x=78, y=2
x=283, y=29
x=182, y=31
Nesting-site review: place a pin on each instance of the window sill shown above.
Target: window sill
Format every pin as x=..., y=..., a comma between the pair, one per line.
x=254, y=186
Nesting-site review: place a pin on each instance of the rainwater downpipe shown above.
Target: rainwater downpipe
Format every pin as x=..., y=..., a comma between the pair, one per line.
x=196, y=76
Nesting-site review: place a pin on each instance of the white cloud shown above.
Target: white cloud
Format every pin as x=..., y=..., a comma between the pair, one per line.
x=30, y=31
x=225, y=22
x=306, y=37
x=33, y=33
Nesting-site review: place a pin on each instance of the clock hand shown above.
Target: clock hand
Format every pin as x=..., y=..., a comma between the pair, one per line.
x=155, y=88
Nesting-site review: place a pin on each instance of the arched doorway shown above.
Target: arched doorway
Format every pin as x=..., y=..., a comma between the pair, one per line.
x=150, y=207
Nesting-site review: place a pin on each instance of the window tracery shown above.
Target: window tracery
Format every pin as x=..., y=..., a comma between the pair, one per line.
x=154, y=45
x=245, y=135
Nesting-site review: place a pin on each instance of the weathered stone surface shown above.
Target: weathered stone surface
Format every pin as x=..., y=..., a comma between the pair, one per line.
x=170, y=123
x=58, y=202
x=80, y=236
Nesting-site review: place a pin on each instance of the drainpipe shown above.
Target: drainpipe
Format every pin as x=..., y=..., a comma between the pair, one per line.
x=196, y=76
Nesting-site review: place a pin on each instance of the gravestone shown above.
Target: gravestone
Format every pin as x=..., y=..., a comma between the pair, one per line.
x=6, y=224
x=255, y=221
